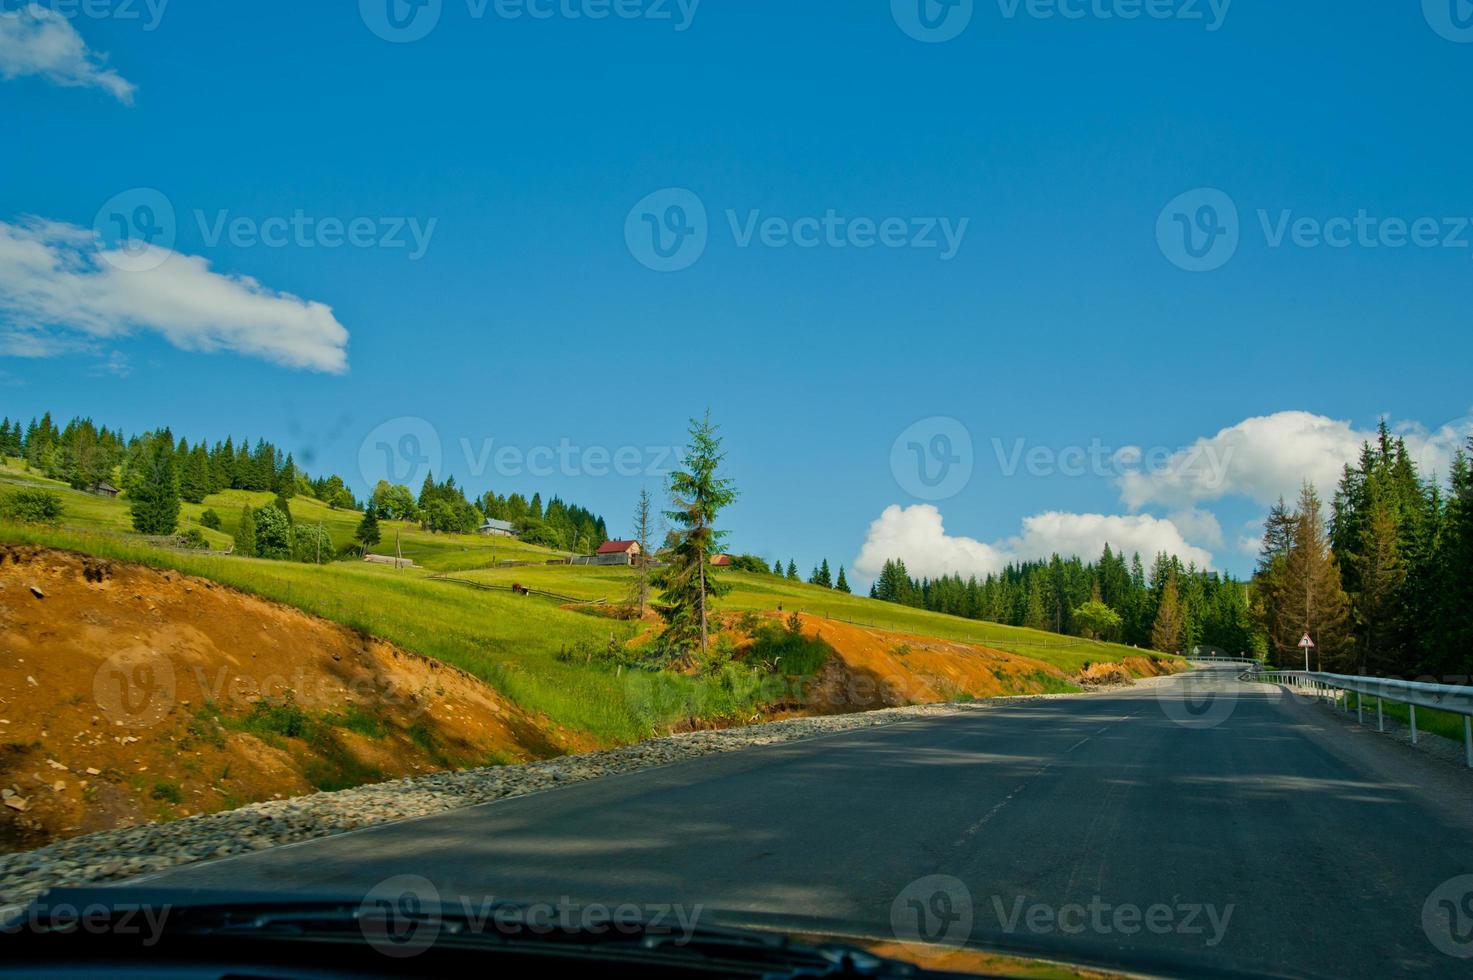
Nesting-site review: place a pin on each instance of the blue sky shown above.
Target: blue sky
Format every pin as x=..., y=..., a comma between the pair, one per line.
x=523, y=148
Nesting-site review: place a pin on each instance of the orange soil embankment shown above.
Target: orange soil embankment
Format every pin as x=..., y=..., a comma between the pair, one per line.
x=124, y=691
x=878, y=669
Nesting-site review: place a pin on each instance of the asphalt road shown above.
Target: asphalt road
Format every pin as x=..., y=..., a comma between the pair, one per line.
x=1154, y=827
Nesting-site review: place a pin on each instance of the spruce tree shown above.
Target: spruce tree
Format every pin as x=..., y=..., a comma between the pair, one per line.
x=842, y=584
x=245, y=535
x=155, y=496
x=368, y=533
x=1166, y=632
x=698, y=494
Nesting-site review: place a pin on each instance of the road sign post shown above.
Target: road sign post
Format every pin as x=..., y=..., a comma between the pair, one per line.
x=1307, y=644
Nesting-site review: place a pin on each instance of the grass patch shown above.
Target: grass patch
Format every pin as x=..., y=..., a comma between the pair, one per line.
x=166, y=792
x=1443, y=723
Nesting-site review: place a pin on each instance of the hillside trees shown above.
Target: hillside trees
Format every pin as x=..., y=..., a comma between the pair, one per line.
x=1405, y=554
x=1299, y=587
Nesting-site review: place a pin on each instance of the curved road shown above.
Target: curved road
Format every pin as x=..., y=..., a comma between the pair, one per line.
x=1197, y=824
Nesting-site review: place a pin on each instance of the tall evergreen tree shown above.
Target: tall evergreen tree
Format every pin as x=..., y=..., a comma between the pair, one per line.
x=698, y=494
x=155, y=494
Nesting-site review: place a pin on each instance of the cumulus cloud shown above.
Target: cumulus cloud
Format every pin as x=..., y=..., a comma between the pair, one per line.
x=1269, y=456
x=38, y=41
x=917, y=536
x=60, y=290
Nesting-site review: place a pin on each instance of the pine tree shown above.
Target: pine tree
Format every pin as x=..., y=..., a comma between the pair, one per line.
x=1166, y=632
x=1381, y=576
x=842, y=584
x=639, y=590
x=245, y=535
x=368, y=531
x=155, y=497
x=792, y=571
x=698, y=494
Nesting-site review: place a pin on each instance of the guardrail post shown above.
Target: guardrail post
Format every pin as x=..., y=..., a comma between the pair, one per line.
x=1468, y=741
x=1380, y=715
x=1360, y=708
x=1413, y=708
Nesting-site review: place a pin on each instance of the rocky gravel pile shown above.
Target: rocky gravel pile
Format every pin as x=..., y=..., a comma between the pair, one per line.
x=132, y=851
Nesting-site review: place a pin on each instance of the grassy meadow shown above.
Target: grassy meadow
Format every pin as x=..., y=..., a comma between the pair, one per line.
x=530, y=648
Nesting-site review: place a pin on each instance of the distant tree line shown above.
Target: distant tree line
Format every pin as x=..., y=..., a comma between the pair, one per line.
x=84, y=455
x=1173, y=608
x=1386, y=586
x=443, y=507
x=156, y=472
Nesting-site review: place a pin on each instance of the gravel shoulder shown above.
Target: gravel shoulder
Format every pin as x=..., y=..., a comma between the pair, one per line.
x=129, y=852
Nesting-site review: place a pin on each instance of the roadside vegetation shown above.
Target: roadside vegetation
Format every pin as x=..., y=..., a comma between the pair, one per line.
x=616, y=653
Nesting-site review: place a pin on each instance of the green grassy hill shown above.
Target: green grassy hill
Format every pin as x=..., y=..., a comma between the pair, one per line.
x=528, y=647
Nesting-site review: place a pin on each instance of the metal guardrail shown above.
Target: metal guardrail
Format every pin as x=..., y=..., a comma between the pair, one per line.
x=1452, y=698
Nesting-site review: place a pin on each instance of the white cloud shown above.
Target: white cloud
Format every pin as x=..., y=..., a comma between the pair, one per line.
x=59, y=290
x=1269, y=456
x=38, y=41
x=917, y=536
x=1198, y=525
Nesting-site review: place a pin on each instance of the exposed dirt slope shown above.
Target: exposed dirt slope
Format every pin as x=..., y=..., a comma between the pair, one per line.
x=129, y=694
x=878, y=669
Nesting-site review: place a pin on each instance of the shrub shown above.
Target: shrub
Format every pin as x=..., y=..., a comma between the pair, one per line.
x=273, y=534
x=27, y=506
x=210, y=519
x=194, y=538
x=311, y=544
x=789, y=652
x=167, y=792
